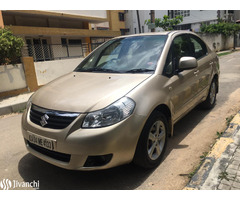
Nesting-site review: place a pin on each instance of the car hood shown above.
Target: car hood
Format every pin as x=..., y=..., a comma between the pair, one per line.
x=85, y=92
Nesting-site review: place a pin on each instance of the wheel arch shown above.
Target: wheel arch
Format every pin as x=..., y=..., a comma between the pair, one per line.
x=163, y=108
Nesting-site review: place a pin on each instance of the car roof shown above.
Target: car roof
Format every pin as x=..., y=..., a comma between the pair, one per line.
x=156, y=33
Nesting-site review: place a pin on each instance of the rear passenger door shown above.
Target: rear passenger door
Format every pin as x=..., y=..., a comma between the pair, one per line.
x=204, y=63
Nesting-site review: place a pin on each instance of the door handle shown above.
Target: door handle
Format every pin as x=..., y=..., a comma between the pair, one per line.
x=196, y=72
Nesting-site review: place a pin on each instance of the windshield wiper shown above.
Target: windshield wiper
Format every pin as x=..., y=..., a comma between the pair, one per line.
x=100, y=70
x=139, y=70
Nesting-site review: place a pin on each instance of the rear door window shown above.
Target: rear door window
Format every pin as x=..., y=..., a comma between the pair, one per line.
x=200, y=49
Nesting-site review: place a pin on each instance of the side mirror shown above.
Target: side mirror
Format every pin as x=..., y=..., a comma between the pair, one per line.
x=186, y=63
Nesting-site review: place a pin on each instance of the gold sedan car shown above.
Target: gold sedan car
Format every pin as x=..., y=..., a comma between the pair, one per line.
x=120, y=104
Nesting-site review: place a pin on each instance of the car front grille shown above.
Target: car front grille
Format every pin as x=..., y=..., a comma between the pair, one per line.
x=50, y=118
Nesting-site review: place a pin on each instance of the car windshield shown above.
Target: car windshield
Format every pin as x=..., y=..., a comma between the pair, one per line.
x=137, y=54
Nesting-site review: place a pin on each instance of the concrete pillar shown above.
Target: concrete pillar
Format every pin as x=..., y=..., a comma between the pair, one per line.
x=30, y=73
x=1, y=20
x=87, y=48
x=85, y=25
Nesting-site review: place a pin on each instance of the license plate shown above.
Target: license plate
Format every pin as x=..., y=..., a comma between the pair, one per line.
x=42, y=141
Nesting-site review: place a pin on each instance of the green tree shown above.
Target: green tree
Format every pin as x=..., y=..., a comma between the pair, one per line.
x=166, y=23
x=10, y=47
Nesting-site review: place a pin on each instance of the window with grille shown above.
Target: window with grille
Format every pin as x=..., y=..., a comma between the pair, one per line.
x=121, y=16
x=39, y=49
x=184, y=13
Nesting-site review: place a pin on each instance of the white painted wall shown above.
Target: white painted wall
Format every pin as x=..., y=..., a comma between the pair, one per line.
x=217, y=42
x=12, y=77
x=50, y=70
x=197, y=16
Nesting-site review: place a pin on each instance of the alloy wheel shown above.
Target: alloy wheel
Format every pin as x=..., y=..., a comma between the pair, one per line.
x=156, y=140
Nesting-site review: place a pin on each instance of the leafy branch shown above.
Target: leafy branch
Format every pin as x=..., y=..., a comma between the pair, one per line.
x=166, y=23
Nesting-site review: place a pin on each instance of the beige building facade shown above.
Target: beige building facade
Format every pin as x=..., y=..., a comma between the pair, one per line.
x=55, y=43
x=51, y=35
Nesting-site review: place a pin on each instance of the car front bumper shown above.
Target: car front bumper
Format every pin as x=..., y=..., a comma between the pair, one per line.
x=76, y=148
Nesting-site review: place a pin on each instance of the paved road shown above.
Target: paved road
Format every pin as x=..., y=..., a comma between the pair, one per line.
x=194, y=134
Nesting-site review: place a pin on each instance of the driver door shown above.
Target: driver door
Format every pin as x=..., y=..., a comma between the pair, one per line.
x=182, y=85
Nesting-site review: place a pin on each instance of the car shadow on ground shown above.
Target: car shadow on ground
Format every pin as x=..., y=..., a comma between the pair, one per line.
x=183, y=127
x=126, y=177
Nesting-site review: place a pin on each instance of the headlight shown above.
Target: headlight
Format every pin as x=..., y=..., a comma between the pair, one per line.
x=110, y=115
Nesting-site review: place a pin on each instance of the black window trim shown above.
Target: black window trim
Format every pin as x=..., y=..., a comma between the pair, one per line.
x=170, y=49
x=199, y=39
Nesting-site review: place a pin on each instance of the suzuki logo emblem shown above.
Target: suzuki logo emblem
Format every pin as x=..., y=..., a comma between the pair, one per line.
x=44, y=119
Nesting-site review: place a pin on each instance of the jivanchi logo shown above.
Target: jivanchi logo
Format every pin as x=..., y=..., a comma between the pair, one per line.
x=7, y=184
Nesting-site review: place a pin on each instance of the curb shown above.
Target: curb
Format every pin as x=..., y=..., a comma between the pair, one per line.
x=14, y=104
x=217, y=159
x=12, y=108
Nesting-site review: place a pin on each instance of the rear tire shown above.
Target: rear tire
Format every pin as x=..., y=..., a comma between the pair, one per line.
x=210, y=102
x=152, y=142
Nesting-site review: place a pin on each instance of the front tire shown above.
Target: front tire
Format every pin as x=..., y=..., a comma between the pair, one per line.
x=152, y=142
